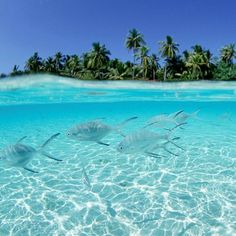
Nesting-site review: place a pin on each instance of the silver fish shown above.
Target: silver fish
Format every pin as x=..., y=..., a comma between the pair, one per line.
x=95, y=131
x=164, y=120
x=183, y=116
x=145, y=142
x=19, y=155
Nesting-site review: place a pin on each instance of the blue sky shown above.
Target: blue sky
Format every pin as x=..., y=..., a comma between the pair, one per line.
x=71, y=26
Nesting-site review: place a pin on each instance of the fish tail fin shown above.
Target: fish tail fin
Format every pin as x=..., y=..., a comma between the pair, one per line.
x=195, y=115
x=49, y=141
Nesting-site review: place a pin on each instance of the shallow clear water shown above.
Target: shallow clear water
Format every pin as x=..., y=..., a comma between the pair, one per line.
x=193, y=193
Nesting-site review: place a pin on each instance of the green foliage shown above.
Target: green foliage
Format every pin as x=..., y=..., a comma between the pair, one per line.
x=2, y=75
x=16, y=71
x=134, y=41
x=98, y=57
x=195, y=64
x=34, y=63
x=225, y=71
x=228, y=53
x=168, y=50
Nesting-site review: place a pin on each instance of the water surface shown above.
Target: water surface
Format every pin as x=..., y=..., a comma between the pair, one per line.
x=131, y=194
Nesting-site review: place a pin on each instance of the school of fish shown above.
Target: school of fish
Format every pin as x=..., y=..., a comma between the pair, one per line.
x=142, y=141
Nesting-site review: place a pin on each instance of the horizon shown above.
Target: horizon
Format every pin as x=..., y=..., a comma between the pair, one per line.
x=71, y=29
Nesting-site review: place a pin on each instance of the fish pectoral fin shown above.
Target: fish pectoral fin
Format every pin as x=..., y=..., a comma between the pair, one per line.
x=30, y=170
x=50, y=156
x=101, y=143
x=21, y=139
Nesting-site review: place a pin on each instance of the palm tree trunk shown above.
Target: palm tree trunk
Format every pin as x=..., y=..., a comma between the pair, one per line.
x=153, y=75
x=133, y=63
x=165, y=73
x=143, y=74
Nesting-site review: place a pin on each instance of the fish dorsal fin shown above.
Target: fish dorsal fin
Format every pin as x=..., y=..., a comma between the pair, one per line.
x=178, y=113
x=49, y=140
x=21, y=139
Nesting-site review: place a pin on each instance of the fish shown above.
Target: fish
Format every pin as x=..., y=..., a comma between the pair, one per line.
x=19, y=155
x=146, y=142
x=183, y=116
x=95, y=131
x=164, y=120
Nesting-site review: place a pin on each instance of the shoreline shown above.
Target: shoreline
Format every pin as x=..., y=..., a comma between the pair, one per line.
x=33, y=80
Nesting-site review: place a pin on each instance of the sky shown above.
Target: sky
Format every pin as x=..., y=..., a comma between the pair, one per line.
x=71, y=26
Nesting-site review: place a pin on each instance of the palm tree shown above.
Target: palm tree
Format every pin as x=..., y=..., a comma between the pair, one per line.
x=116, y=74
x=15, y=71
x=97, y=60
x=143, y=56
x=197, y=48
x=199, y=63
x=195, y=63
x=176, y=65
x=59, y=60
x=133, y=42
x=168, y=50
x=98, y=57
x=154, y=65
x=72, y=65
x=49, y=65
x=34, y=63
x=85, y=60
x=228, y=53
x=185, y=55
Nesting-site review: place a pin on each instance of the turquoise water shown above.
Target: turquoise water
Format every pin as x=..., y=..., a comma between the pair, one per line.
x=193, y=193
